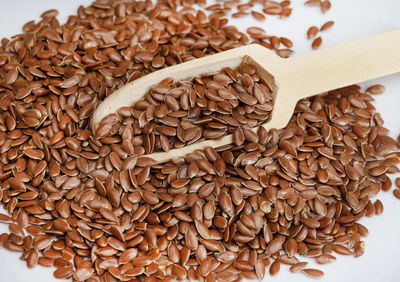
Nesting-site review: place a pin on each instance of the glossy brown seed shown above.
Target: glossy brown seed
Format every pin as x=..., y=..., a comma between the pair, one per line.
x=325, y=259
x=260, y=269
x=376, y=89
x=258, y=16
x=397, y=182
x=313, y=3
x=274, y=268
x=396, y=193
x=378, y=207
x=274, y=246
x=359, y=249
x=63, y=272
x=256, y=32
x=316, y=42
x=325, y=6
x=286, y=42
x=239, y=14
x=327, y=25
x=46, y=262
x=238, y=136
x=313, y=273
x=298, y=267
x=33, y=258
x=340, y=249
x=291, y=247
x=312, y=32
x=5, y=218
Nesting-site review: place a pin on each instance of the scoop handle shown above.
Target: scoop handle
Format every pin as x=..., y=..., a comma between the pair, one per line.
x=342, y=65
x=332, y=68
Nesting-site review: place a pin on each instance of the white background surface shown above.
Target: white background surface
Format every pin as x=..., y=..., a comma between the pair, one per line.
x=353, y=19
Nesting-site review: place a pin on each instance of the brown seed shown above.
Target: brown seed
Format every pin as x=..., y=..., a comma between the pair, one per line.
x=5, y=218
x=239, y=14
x=258, y=16
x=238, y=136
x=83, y=273
x=376, y=89
x=312, y=32
x=286, y=42
x=63, y=272
x=291, y=247
x=274, y=268
x=33, y=258
x=260, y=269
x=378, y=207
x=274, y=246
x=244, y=7
x=397, y=182
x=298, y=267
x=256, y=32
x=191, y=239
x=324, y=259
x=313, y=3
x=359, y=249
x=325, y=6
x=316, y=43
x=46, y=262
x=340, y=249
x=313, y=273
x=396, y=193
x=327, y=25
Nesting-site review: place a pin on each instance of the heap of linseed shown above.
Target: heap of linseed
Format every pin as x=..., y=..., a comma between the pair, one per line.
x=90, y=207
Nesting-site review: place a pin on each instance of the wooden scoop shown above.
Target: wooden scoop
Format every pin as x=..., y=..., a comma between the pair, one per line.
x=290, y=79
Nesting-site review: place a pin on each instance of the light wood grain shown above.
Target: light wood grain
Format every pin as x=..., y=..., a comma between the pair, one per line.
x=291, y=79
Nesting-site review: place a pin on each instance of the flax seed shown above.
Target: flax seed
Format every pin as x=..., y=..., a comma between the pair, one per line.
x=327, y=25
x=312, y=32
x=313, y=273
x=258, y=16
x=396, y=193
x=316, y=43
x=88, y=205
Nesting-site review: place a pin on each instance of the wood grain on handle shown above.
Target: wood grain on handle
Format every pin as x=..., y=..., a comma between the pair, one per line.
x=341, y=65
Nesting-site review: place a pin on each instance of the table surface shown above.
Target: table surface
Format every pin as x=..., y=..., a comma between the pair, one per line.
x=353, y=19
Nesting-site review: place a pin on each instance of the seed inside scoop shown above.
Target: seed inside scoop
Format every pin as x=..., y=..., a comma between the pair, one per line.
x=176, y=114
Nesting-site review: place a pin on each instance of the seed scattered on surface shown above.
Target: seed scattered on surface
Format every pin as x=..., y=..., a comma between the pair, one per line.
x=376, y=89
x=378, y=207
x=325, y=6
x=312, y=32
x=316, y=42
x=313, y=3
x=274, y=268
x=239, y=14
x=396, y=193
x=324, y=259
x=359, y=249
x=313, y=273
x=327, y=25
x=258, y=16
x=297, y=267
